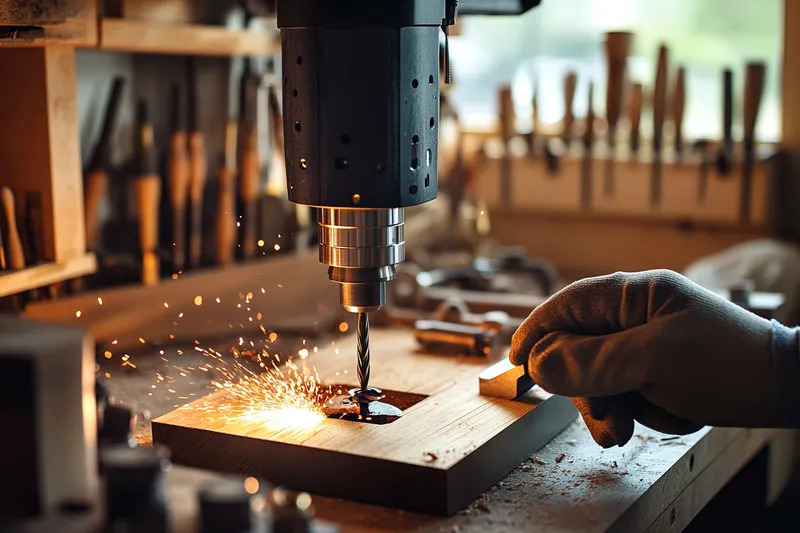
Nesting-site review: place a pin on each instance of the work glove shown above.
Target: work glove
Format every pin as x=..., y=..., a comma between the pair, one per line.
x=656, y=348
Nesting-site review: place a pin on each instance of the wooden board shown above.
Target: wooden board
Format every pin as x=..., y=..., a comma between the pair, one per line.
x=438, y=457
x=42, y=275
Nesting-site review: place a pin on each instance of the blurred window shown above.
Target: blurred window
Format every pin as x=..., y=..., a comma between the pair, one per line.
x=704, y=36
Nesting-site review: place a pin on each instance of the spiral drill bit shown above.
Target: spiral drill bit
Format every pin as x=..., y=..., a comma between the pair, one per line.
x=363, y=350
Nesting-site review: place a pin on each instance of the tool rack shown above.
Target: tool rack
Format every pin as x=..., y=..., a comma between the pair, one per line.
x=40, y=142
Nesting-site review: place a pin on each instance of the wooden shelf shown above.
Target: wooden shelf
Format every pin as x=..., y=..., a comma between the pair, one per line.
x=183, y=39
x=78, y=30
x=47, y=274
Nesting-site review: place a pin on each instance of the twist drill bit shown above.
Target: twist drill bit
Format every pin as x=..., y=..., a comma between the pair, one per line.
x=363, y=350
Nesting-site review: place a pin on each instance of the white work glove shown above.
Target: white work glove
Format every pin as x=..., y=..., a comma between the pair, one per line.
x=656, y=348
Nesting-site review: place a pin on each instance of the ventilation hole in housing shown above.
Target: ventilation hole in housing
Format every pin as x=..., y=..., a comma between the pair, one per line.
x=299, y=60
x=414, y=163
x=295, y=93
x=303, y=163
x=427, y=181
x=412, y=189
x=341, y=164
x=297, y=127
x=430, y=79
x=345, y=139
x=356, y=199
x=415, y=83
x=428, y=156
x=432, y=122
x=415, y=139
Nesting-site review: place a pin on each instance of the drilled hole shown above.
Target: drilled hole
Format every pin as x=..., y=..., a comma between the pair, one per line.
x=415, y=139
x=299, y=60
x=430, y=79
x=414, y=163
x=415, y=83
x=295, y=93
x=356, y=199
x=303, y=163
x=297, y=127
x=345, y=139
x=341, y=164
x=412, y=189
x=428, y=156
x=427, y=181
x=432, y=122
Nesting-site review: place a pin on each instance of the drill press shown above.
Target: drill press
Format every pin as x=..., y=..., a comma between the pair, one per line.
x=361, y=123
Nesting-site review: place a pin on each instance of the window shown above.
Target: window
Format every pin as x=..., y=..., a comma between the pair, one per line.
x=704, y=36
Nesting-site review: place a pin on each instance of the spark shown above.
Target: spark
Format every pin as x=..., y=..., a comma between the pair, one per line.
x=303, y=353
x=107, y=354
x=198, y=300
x=77, y=314
x=277, y=247
x=100, y=301
x=343, y=327
x=180, y=315
x=273, y=336
x=174, y=276
x=114, y=341
x=218, y=300
x=166, y=305
x=260, y=243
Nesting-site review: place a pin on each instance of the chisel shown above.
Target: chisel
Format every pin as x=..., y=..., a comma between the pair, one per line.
x=618, y=48
x=225, y=222
x=96, y=181
x=755, y=73
x=507, y=130
x=588, y=146
x=570, y=82
x=147, y=191
x=635, y=116
x=725, y=157
x=249, y=164
x=178, y=180
x=659, y=110
x=678, y=106
x=198, y=170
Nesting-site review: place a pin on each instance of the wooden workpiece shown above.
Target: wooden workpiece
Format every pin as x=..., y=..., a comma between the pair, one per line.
x=438, y=457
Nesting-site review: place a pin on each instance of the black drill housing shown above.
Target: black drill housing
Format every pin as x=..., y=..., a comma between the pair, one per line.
x=361, y=101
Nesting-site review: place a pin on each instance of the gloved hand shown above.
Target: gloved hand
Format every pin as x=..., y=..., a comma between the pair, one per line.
x=657, y=348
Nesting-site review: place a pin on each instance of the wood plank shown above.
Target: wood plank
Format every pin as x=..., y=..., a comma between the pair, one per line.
x=440, y=455
x=142, y=36
x=46, y=274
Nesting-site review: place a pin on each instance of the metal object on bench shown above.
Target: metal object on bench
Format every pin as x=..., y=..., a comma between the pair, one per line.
x=505, y=380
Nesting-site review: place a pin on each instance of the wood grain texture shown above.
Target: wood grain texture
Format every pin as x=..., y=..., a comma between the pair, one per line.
x=438, y=457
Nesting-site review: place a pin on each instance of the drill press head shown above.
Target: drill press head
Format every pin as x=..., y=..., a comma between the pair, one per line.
x=361, y=121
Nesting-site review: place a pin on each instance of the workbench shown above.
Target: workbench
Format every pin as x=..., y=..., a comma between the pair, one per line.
x=569, y=485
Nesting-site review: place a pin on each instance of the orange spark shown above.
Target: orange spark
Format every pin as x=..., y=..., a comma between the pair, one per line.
x=198, y=300
x=343, y=327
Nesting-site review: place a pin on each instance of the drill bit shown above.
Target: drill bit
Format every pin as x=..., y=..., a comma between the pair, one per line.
x=363, y=350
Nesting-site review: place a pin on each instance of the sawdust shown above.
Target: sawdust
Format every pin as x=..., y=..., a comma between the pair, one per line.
x=537, y=460
x=560, y=457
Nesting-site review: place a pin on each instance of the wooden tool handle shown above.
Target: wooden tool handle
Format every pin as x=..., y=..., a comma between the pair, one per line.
x=727, y=107
x=507, y=114
x=588, y=133
x=249, y=168
x=198, y=166
x=178, y=171
x=753, y=93
x=14, y=254
x=618, y=48
x=225, y=227
x=95, y=189
x=660, y=97
x=147, y=189
x=635, y=114
x=570, y=83
x=678, y=106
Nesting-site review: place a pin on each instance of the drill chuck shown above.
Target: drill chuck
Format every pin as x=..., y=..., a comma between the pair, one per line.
x=362, y=248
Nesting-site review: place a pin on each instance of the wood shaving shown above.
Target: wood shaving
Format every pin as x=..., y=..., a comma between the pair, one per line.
x=560, y=457
x=431, y=457
x=537, y=460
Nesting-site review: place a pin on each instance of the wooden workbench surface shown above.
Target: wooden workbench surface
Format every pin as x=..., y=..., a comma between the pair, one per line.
x=591, y=490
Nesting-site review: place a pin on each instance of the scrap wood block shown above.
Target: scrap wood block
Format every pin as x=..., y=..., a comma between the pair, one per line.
x=439, y=456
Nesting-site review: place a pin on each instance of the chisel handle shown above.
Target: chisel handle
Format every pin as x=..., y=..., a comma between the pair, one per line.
x=15, y=256
x=754, y=76
x=225, y=227
x=678, y=107
x=660, y=98
x=198, y=172
x=618, y=49
x=147, y=190
x=178, y=179
x=570, y=83
x=507, y=114
x=96, y=189
x=635, y=114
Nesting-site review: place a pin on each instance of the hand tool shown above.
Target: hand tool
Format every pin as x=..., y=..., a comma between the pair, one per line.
x=505, y=380
x=618, y=48
x=507, y=129
x=178, y=178
x=198, y=168
x=96, y=181
x=755, y=73
x=362, y=160
x=702, y=146
x=534, y=120
x=678, y=105
x=725, y=157
x=635, y=102
x=147, y=190
x=249, y=164
x=570, y=83
x=448, y=337
x=659, y=111
x=225, y=223
x=588, y=152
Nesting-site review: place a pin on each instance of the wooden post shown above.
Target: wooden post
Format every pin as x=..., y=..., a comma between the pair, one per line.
x=39, y=141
